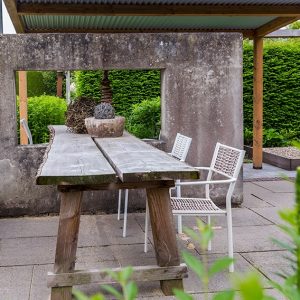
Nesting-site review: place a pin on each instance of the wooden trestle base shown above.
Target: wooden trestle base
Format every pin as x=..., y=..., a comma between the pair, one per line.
x=169, y=270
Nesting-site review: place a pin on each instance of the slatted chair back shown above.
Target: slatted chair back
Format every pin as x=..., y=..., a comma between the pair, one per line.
x=27, y=130
x=227, y=161
x=181, y=147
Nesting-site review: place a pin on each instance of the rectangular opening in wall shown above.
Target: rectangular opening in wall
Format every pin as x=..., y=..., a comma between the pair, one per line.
x=43, y=98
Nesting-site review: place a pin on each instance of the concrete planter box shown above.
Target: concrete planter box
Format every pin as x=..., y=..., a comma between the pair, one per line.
x=290, y=164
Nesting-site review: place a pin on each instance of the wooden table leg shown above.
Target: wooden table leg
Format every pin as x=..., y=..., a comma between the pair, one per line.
x=66, y=245
x=164, y=235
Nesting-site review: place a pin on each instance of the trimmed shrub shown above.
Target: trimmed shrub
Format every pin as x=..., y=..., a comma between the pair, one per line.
x=129, y=87
x=144, y=121
x=44, y=111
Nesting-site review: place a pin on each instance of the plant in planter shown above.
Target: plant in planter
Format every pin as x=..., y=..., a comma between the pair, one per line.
x=105, y=123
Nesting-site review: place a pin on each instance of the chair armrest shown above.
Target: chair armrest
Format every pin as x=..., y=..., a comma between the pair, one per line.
x=206, y=182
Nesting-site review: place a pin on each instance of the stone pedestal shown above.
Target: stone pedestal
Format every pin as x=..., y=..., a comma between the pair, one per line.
x=105, y=127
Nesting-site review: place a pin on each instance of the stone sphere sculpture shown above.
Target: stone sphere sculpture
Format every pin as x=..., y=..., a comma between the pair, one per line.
x=104, y=110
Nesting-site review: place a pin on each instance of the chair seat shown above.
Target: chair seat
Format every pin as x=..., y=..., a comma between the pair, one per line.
x=194, y=206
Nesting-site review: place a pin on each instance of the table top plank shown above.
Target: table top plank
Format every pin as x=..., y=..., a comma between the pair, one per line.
x=73, y=159
x=135, y=161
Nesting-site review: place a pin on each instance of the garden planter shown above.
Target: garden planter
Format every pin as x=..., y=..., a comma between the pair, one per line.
x=273, y=156
x=105, y=127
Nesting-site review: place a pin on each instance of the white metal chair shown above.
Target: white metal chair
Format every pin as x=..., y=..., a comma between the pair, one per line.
x=226, y=161
x=27, y=130
x=180, y=150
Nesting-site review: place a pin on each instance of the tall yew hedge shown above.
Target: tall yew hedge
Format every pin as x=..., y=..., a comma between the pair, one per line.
x=281, y=85
x=129, y=87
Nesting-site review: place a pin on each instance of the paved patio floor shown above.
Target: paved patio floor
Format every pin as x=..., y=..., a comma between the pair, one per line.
x=27, y=245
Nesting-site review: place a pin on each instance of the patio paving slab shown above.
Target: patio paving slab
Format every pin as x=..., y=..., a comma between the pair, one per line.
x=15, y=282
x=241, y=217
x=269, y=213
x=28, y=227
x=269, y=263
x=27, y=251
x=251, y=201
x=283, y=186
x=268, y=172
x=248, y=239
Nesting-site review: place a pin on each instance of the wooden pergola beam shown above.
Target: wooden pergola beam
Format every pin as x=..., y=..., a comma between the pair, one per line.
x=258, y=103
x=156, y=10
x=274, y=25
x=23, y=105
x=15, y=18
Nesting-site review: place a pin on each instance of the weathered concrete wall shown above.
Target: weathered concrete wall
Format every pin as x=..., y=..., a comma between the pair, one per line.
x=201, y=98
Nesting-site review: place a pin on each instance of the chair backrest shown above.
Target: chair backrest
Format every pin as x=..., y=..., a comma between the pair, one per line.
x=181, y=146
x=27, y=130
x=227, y=160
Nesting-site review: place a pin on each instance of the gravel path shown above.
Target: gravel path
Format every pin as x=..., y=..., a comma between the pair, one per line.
x=288, y=152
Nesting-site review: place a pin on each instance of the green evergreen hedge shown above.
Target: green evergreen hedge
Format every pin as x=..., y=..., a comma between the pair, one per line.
x=40, y=83
x=281, y=86
x=43, y=111
x=144, y=121
x=129, y=87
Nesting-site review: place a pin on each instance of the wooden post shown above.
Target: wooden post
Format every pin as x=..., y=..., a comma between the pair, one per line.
x=164, y=235
x=67, y=237
x=258, y=103
x=59, y=84
x=23, y=105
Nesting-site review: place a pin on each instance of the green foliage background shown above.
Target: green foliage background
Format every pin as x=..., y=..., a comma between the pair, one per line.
x=129, y=87
x=281, y=86
x=43, y=111
x=40, y=83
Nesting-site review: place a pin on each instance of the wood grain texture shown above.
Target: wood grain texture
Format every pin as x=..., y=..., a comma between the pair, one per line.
x=164, y=236
x=258, y=103
x=140, y=273
x=67, y=237
x=73, y=159
x=134, y=160
x=118, y=185
x=23, y=105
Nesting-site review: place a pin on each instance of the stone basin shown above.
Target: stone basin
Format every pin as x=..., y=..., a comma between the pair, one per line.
x=105, y=127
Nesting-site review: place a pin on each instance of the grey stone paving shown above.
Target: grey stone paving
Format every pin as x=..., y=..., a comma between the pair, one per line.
x=267, y=172
x=27, y=246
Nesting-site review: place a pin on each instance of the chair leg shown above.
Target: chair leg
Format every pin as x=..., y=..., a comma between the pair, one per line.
x=125, y=213
x=146, y=228
x=179, y=224
x=119, y=204
x=209, y=243
x=230, y=239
